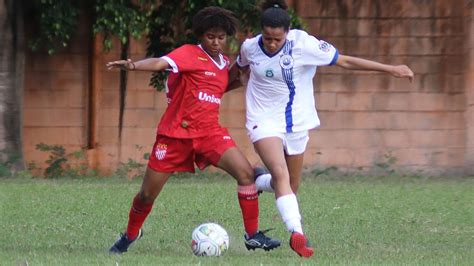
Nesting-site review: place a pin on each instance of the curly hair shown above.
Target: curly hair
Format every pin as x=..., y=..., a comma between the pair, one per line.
x=275, y=14
x=214, y=18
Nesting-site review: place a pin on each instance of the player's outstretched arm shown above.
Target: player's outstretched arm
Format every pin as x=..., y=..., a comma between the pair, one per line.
x=355, y=63
x=149, y=64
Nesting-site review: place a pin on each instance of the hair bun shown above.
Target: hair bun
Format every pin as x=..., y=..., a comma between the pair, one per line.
x=266, y=4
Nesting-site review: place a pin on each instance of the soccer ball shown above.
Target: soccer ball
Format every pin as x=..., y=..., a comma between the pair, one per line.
x=209, y=239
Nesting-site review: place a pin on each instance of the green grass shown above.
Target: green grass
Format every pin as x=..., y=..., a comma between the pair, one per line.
x=356, y=221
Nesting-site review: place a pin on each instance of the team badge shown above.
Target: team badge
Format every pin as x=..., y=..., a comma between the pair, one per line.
x=286, y=61
x=160, y=151
x=324, y=46
x=269, y=73
x=202, y=59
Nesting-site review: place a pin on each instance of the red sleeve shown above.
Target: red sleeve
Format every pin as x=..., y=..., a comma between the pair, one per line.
x=180, y=59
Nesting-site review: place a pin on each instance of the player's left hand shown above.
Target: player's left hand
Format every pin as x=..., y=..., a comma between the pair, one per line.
x=403, y=71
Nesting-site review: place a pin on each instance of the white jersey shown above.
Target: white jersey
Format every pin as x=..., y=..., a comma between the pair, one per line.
x=280, y=88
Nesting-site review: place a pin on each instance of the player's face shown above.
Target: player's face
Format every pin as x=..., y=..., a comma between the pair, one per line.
x=213, y=41
x=273, y=38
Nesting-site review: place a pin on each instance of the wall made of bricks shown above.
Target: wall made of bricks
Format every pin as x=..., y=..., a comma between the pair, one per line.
x=55, y=98
x=368, y=119
x=369, y=116
x=143, y=109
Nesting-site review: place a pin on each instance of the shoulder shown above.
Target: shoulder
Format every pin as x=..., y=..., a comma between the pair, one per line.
x=251, y=42
x=299, y=35
x=186, y=48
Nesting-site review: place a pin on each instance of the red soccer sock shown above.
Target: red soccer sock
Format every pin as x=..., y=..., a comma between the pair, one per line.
x=137, y=216
x=248, y=200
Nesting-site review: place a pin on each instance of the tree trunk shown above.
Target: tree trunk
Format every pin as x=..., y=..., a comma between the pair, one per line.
x=12, y=60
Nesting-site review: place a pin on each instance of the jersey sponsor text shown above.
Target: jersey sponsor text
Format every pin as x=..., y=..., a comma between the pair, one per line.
x=203, y=96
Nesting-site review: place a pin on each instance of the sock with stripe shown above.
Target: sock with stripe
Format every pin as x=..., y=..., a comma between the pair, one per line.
x=248, y=201
x=137, y=216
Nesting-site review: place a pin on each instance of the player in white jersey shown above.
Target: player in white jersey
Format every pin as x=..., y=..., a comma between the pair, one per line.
x=280, y=64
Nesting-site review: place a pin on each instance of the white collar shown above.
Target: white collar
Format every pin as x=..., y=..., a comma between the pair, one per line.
x=220, y=65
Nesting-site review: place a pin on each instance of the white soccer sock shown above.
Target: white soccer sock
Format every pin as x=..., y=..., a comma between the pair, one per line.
x=290, y=212
x=263, y=183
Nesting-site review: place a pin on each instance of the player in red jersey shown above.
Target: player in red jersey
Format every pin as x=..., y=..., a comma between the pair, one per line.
x=189, y=131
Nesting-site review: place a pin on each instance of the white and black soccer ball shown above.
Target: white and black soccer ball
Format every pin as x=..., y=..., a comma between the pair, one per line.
x=209, y=239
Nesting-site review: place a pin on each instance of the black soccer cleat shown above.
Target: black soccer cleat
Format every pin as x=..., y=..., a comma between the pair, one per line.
x=260, y=240
x=123, y=243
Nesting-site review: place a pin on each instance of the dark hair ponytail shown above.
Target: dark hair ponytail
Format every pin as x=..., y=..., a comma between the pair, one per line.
x=275, y=14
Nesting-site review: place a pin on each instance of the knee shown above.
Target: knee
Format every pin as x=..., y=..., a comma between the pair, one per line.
x=279, y=172
x=245, y=176
x=147, y=196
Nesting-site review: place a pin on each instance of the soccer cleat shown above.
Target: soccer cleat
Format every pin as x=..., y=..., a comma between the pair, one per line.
x=260, y=240
x=123, y=243
x=258, y=171
x=300, y=245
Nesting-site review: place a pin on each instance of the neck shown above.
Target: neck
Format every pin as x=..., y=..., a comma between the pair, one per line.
x=215, y=57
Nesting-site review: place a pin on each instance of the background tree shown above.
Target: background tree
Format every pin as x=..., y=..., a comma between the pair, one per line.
x=11, y=84
x=166, y=24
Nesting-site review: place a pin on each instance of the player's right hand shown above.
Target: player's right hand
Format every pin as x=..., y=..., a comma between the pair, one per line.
x=122, y=64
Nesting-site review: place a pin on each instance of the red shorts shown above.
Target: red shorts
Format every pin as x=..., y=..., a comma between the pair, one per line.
x=179, y=155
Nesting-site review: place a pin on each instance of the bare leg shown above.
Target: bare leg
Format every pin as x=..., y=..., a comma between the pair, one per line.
x=152, y=184
x=295, y=166
x=270, y=151
x=142, y=204
x=235, y=163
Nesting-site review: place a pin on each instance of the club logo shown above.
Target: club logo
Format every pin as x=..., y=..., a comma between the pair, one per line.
x=324, y=46
x=269, y=73
x=160, y=151
x=286, y=61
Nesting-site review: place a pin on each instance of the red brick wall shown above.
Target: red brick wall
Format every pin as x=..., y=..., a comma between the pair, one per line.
x=55, y=98
x=425, y=125
x=366, y=116
x=143, y=109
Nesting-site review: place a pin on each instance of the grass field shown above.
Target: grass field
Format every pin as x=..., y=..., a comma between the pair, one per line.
x=355, y=220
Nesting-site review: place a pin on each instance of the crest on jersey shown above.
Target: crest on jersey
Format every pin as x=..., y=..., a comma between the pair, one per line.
x=286, y=61
x=160, y=151
x=269, y=73
x=324, y=46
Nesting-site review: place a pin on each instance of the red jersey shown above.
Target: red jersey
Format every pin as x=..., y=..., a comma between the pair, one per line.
x=194, y=91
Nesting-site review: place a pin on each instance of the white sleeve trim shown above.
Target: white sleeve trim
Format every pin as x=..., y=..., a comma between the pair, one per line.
x=173, y=65
x=238, y=62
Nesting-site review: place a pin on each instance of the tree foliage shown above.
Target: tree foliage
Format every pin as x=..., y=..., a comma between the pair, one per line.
x=165, y=23
x=57, y=22
x=122, y=19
